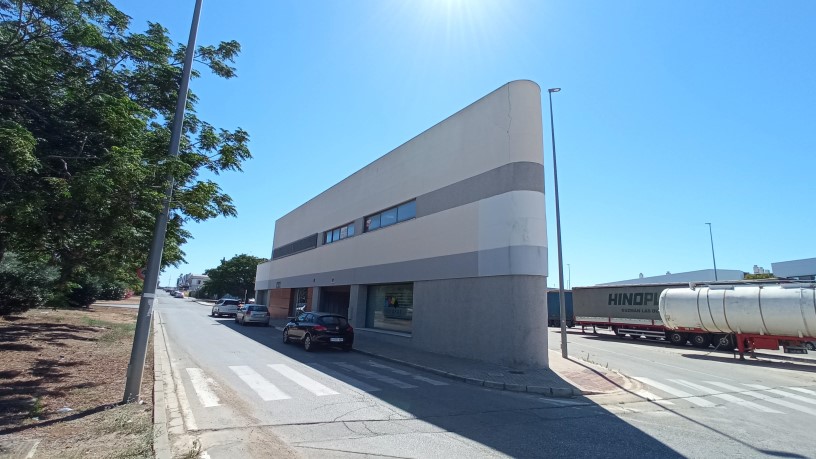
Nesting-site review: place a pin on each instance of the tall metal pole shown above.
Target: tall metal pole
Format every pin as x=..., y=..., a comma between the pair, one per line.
x=137, y=354
x=558, y=235
x=711, y=235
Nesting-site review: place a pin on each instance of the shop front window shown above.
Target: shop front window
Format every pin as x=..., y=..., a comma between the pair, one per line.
x=390, y=307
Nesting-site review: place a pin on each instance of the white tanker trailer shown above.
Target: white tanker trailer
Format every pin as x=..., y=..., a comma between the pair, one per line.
x=745, y=317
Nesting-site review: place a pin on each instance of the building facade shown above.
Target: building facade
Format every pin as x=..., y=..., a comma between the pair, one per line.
x=191, y=282
x=439, y=245
x=804, y=269
x=702, y=275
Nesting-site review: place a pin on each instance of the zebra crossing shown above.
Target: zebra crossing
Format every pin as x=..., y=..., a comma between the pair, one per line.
x=285, y=382
x=709, y=394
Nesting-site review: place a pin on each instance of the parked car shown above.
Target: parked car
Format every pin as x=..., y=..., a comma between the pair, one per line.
x=319, y=329
x=257, y=313
x=178, y=295
x=225, y=307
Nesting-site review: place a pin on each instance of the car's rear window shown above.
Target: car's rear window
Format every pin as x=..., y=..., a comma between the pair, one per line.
x=257, y=308
x=333, y=320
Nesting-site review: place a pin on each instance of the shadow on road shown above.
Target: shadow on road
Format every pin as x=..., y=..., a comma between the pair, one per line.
x=503, y=421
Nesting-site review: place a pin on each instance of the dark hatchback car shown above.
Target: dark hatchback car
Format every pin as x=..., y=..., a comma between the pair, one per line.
x=319, y=329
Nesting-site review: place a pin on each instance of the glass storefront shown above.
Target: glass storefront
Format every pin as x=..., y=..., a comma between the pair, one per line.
x=390, y=307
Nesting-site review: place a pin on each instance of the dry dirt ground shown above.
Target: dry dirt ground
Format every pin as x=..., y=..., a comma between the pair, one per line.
x=62, y=378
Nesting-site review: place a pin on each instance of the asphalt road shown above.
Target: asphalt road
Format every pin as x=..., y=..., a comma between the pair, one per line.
x=706, y=402
x=244, y=390
x=243, y=386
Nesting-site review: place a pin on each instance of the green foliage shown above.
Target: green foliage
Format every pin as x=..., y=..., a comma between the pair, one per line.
x=24, y=283
x=760, y=276
x=86, y=109
x=235, y=277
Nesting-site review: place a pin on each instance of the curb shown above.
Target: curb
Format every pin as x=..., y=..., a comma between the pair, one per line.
x=784, y=357
x=161, y=440
x=560, y=392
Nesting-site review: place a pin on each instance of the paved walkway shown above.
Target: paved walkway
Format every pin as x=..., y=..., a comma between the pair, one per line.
x=564, y=378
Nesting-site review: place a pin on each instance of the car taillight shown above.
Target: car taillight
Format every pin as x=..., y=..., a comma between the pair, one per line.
x=349, y=329
x=319, y=328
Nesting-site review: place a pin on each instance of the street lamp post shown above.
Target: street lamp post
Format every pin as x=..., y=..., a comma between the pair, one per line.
x=711, y=235
x=569, y=277
x=558, y=235
x=138, y=352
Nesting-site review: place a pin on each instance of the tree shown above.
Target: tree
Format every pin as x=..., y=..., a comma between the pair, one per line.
x=86, y=109
x=235, y=277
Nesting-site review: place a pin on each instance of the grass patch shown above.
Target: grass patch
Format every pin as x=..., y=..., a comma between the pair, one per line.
x=37, y=408
x=115, y=331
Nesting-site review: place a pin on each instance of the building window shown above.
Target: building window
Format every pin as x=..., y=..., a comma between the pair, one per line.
x=337, y=234
x=390, y=307
x=390, y=216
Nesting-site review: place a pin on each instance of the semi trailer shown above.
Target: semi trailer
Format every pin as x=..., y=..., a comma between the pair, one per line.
x=554, y=308
x=625, y=309
x=747, y=317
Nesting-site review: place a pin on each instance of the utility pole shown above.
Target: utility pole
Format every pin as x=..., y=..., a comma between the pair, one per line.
x=137, y=354
x=558, y=235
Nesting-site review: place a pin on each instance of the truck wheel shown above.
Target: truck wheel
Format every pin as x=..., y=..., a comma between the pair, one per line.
x=724, y=342
x=700, y=340
x=678, y=339
x=810, y=345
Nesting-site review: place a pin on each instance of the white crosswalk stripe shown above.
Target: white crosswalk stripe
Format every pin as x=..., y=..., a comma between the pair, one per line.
x=802, y=390
x=375, y=376
x=677, y=392
x=764, y=397
x=652, y=397
x=782, y=393
x=302, y=380
x=363, y=386
x=204, y=387
x=406, y=373
x=726, y=397
x=265, y=389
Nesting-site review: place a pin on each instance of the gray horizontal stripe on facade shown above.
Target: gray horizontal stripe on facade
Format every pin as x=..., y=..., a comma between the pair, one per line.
x=509, y=177
x=503, y=261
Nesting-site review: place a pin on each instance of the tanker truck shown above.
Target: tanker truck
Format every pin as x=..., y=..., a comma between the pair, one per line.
x=746, y=317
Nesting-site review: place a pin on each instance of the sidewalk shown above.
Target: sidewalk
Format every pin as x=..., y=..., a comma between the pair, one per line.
x=564, y=378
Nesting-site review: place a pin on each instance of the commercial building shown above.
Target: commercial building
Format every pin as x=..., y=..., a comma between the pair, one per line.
x=804, y=269
x=702, y=275
x=191, y=282
x=439, y=245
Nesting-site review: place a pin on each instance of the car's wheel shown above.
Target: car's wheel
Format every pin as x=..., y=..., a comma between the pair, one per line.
x=286, y=336
x=811, y=346
x=700, y=340
x=236, y=320
x=347, y=348
x=212, y=313
x=267, y=324
x=307, y=343
x=678, y=339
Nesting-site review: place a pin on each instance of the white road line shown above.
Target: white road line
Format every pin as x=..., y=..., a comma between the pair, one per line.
x=302, y=380
x=204, y=387
x=782, y=393
x=652, y=397
x=726, y=397
x=265, y=389
x=363, y=386
x=802, y=390
x=560, y=402
x=406, y=373
x=375, y=376
x=764, y=397
x=677, y=393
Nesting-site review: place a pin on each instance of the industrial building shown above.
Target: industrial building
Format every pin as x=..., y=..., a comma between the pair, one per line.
x=440, y=245
x=702, y=275
x=804, y=269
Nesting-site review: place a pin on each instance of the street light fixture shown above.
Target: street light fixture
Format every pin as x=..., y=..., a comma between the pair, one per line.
x=711, y=235
x=558, y=235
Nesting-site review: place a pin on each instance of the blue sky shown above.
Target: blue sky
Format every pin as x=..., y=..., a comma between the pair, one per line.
x=672, y=114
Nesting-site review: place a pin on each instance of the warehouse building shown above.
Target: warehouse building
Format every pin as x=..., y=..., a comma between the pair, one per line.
x=439, y=245
x=804, y=269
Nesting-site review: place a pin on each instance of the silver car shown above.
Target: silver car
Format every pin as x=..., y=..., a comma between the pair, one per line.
x=250, y=313
x=226, y=307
